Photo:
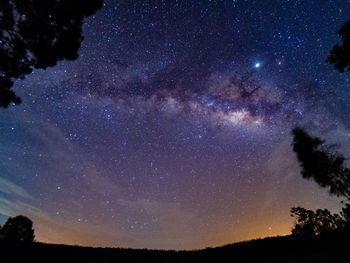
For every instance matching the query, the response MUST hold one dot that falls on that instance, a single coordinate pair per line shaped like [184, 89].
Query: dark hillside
[333, 247]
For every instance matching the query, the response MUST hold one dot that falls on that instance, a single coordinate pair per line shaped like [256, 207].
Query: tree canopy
[35, 34]
[310, 223]
[319, 163]
[340, 54]
[17, 229]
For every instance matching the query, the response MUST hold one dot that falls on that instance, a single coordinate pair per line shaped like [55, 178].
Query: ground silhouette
[333, 247]
[325, 246]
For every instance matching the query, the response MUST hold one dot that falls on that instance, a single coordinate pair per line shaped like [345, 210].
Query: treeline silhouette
[330, 247]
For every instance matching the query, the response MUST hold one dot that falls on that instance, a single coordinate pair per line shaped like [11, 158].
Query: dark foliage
[310, 223]
[340, 55]
[345, 213]
[17, 229]
[319, 163]
[37, 34]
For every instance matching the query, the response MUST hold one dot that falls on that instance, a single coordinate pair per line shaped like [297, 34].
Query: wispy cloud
[9, 188]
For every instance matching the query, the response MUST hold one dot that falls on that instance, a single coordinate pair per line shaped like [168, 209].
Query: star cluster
[172, 128]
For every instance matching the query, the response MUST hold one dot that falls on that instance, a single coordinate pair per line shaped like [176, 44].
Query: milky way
[172, 128]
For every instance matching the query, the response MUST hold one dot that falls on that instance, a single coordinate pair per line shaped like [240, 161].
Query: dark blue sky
[172, 129]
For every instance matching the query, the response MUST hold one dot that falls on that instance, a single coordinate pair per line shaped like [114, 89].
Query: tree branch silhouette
[36, 34]
[319, 163]
[340, 54]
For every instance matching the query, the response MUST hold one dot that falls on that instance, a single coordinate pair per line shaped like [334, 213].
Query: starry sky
[172, 130]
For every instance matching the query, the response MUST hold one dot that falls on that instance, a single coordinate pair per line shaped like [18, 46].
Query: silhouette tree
[345, 213]
[310, 223]
[340, 55]
[321, 164]
[37, 34]
[17, 229]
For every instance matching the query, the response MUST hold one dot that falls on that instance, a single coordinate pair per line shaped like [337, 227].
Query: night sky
[173, 127]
